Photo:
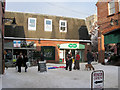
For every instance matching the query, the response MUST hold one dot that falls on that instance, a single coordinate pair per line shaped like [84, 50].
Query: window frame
[45, 25]
[30, 28]
[111, 8]
[65, 26]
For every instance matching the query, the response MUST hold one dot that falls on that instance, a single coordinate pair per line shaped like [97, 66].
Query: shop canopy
[112, 37]
[72, 46]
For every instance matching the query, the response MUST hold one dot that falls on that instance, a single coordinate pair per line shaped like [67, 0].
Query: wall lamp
[39, 40]
[113, 21]
[12, 20]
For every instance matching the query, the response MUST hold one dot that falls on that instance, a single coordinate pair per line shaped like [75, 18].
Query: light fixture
[12, 20]
[112, 21]
[39, 41]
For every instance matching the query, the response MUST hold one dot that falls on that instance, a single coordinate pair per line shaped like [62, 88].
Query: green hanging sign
[72, 45]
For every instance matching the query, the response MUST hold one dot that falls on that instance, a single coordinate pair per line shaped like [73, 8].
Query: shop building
[55, 36]
[2, 13]
[108, 15]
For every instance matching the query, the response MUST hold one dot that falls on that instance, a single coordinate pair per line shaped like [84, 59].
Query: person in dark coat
[69, 61]
[42, 57]
[19, 63]
[25, 59]
[89, 57]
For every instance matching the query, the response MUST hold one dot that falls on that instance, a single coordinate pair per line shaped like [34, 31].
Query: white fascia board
[16, 38]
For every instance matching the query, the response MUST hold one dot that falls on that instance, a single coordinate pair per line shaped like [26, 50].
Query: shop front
[112, 41]
[73, 48]
[12, 48]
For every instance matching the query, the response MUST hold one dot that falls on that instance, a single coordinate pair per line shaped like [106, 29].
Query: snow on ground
[58, 78]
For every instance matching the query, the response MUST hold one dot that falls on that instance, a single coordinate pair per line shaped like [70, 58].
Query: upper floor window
[63, 25]
[111, 6]
[32, 24]
[119, 5]
[48, 24]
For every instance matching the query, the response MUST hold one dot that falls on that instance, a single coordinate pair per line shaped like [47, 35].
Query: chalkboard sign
[42, 66]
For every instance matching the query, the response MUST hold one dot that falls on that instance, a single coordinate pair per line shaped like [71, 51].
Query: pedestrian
[19, 63]
[95, 56]
[25, 60]
[38, 63]
[77, 60]
[42, 57]
[90, 58]
[69, 61]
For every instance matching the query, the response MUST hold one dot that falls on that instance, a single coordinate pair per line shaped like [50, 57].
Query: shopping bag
[28, 64]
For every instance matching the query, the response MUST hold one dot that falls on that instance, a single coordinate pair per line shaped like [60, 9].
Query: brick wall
[104, 22]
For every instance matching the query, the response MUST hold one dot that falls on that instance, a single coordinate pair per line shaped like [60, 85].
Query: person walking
[69, 61]
[90, 58]
[25, 60]
[77, 66]
[38, 63]
[19, 63]
[42, 57]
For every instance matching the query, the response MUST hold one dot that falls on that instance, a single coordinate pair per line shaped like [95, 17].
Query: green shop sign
[71, 46]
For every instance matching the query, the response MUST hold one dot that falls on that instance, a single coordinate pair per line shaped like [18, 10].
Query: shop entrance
[63, 54]
[16, 52]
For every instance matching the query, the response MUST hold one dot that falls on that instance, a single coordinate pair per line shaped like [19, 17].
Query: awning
[112, 37]
[72, 46]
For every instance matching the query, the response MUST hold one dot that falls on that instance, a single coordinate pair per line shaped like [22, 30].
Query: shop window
[63, 25]
[111, 6]
[32, 24]
[8, 55]
[49, 52]
[48, 24]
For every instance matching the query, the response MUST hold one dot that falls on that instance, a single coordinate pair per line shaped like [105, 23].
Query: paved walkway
[58, 78]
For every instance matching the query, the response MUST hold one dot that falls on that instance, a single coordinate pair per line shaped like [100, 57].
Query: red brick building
[108, 15]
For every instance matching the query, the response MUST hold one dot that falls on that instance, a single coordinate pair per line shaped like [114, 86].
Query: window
[48, 25]
[63, 25]
[119, 5]
[8, 54]
[32, 24]
[111, 6]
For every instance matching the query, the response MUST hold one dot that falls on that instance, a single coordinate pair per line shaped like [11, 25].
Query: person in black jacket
[89, 57]
[42, 57]
[69, 61]
[25, 59]
[19, 63]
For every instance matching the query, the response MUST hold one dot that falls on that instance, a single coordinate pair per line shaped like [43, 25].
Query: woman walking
[19, 63]
[77, 66]
[25, 60]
